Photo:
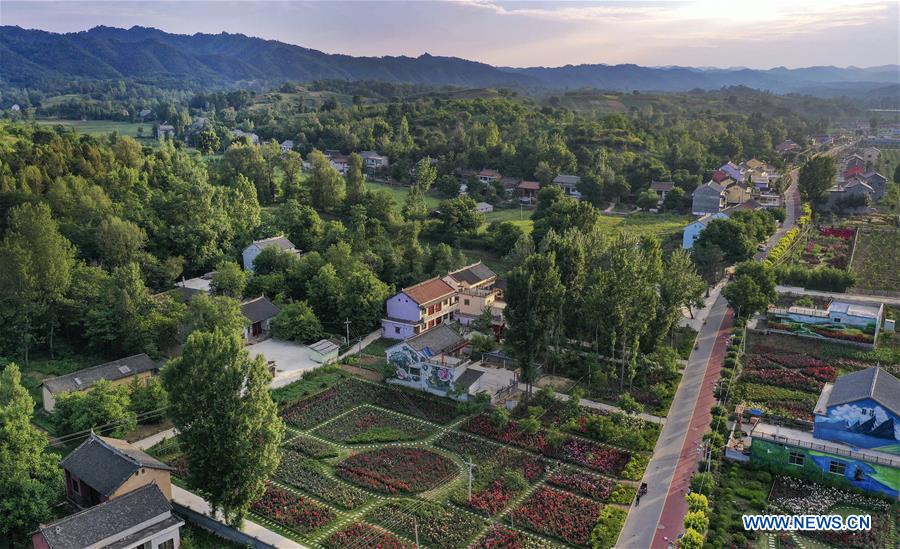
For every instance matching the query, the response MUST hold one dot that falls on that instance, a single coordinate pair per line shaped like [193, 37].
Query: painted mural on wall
[410, 367]
[440, 378]
[814, 464]
[864, 424]
[405, 363]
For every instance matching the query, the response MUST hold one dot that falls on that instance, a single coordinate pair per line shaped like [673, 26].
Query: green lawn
[100, 127]
[399, 193]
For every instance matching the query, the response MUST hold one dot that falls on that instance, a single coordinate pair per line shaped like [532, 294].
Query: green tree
[208, 142]
[228, 424]
[362, 299]
[752, 290]
[710, 262]
[301, 223]
[816, 177]
[326, 186]
[209, 313]
[533, 294]
[297, 322]
[229, 280]
[448, 186]
[425, 173]
[697, 502]
[356, 180]
[696, 520]
[674, 201]
[647, 199]
[325, 292]
[119, 242]
[30, 480]
[680, 288]
[104, 405]
[730, 236]
[414, 206]
[692, 539]
[459, 216]
[37, 267]
[148, 397]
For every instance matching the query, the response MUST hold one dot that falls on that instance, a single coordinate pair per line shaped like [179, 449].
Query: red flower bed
[492, 499]
[360, 534]
[592, 486]
[559, 514]
[501, 537]
[790, 379]
[847, 337]
[482, 452]
[793, 361]
[396, 470]
[821, 373]
[846, 234]
[600, 458]
[297, 513]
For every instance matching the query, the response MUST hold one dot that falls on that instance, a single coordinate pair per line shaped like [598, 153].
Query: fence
[218, 528]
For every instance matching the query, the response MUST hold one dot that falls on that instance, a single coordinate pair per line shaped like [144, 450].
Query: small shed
[484, 207]
[324, 351]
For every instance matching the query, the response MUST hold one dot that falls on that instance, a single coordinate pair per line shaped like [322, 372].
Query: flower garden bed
[501, 537]
[830, 247]
[309, 475]
[585, 484]
[610, 461]
[492, 454]
[397, 470]
[311, 447]
[416, 404]
[360, 534]
[438, 525]
[299, 514]
[558, 514]
[366, 425]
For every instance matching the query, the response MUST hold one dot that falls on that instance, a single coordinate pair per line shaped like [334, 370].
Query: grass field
[101, 127]
[399, 193]
[876, 262]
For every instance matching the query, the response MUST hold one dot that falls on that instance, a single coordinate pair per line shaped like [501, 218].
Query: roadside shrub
[696, 520]
[697, 502]
[609, 524]
[704, 480]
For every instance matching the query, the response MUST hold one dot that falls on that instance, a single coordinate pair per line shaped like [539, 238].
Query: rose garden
[367, 465]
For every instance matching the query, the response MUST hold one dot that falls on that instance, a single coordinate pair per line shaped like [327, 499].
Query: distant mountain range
[30, 57]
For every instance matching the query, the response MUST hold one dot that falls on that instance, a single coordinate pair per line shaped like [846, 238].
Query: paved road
[792, 208]
[678, 433]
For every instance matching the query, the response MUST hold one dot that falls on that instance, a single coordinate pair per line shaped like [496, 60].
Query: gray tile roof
[467, 378]
[566, 179]
[473, 274]
[440, 339]
[279, 241]
[259, 309]
[85, 379]
[99, 525]
[104, 464]
[874, 383]
[710, 185]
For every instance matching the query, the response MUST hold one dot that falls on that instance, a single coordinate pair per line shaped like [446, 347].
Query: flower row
[308, 475]
[585, 484]
[484, 453]
[396, 470]
[501, 537]
[297, 513]
[437, 525]
[311, 447]
[790, 379]
[367, 425]
[360, 534]
[558, 514]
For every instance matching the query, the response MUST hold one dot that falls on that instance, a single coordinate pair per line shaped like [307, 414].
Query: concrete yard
[291, 359]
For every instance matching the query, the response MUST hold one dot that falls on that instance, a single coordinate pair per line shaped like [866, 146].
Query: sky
[701, 33]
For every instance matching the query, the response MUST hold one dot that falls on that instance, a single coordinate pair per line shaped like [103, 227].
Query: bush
[297, 322]
[609, 524]
[704, 480]
[499, 417]
[104, 404]
[147, 399]
[826, 279]
[696, 520]
[692, 539]
[697, 502]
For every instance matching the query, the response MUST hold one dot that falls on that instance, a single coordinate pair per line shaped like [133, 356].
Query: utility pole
[416, 529]
[471, 466]
[347, 324]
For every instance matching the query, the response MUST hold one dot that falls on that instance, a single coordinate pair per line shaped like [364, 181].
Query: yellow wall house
[117, 372]
[478, 289]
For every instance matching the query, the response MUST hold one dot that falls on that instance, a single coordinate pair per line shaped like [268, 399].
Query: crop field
[362, 463]
[876, 263]
[102, 127]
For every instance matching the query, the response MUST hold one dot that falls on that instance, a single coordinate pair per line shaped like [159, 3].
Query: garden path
[674, 444]
[602, 406]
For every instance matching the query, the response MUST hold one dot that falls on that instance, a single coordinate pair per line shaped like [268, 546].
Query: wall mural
[440, 378]
[403, 360]
[864, 424]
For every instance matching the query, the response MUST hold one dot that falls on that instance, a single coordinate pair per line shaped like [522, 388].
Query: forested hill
[33, 57]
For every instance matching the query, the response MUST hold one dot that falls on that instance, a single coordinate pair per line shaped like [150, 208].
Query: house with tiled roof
[257, 246]
[569, 184]
[103, 468]
[708, 199]
[121, 371]
[476, 285]
[733, 171]
[259, 312]
[786, 146]
[488, 176]
[878, 183]
[692, 231]
[142, 518]
[418, 308]
[528, 190]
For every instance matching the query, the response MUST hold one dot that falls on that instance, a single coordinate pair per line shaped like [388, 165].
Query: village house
[510, 184]
[855, 439]
[165, 131]
[733, 171]
[434, 362]
[661, 188]
[257, 246]
[340, 162]
[786, 147]
[569, 184]
[692, 232]
[117, 372]
[851, 195]
[878, 183]
[15, 108]
[144, 113]
[821, 141]
[871, 155]
[324, 351]
[837, 312]
[287, 145]
[476, 285]
[736, 193]
[419, 308]
[489, 176]
[527, 191]
[140, 519]
[252, 137]
[374, 161]
[708, 199]
[260, 313]
[484, 207]
[103, 468]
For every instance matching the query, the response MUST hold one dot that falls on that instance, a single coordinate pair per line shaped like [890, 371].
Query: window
[76, 486]
[168, 544]
[396, 329]
[837, 467]
[466, 301]
[796, 458]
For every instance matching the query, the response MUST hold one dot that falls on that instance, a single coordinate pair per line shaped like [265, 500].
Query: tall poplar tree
[228, 423]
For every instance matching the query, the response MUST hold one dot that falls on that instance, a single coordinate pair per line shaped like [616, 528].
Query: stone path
[603, 406]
